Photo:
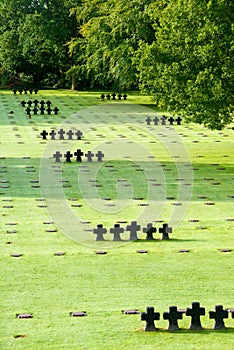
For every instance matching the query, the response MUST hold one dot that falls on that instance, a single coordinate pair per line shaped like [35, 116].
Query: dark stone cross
[25, 91]
[119, 96]
[102, 97]
[42, 103]
[99, 156]
[133, 228]
[149, 230]
[108, 96]
[125, 97]
[99, 231]
[23, 103]
[113, 96]
[195, 312]
[156, 120]
[14, 91]
[44, 133]
[165, 230]
[61, 133]
[68, 156]
[163, 119]
[70, 133]
[30, 91]
[56, 110]
[78, 155]
[36, 102]
[178, 120]
[35, 110]
[48, 103]
[171, 120]
[20, 91]
[57, 156]
[116, 230]
[79, 134]
[52, 134]
[42, 109]
[48, 110]
[28, 110]
[173, 316]
[29, 103]
[150, 316]
[218, 315]
[36, 91]
[148, 120]
[89, 156]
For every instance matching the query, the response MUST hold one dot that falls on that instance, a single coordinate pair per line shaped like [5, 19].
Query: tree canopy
[179, 51]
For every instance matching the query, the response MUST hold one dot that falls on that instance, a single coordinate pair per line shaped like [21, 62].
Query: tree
[189, 67]
[109, 35]
[33, 35]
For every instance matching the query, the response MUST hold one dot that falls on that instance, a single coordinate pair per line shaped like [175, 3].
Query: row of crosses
[25, 90]
[195, 312]
[61, 134]
[78, 154]
[42, 110]
[108, 97]
[36, 103]
[133, 228]
[163, 120]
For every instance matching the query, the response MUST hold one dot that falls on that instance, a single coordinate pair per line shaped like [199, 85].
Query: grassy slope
[50, 287]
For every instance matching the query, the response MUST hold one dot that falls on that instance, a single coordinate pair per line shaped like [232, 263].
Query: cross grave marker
[218, 315]
[165, 230]
[173, 316]
[78, 155]
[150, 316]
[99, 231]
[116, 230]
[133, 228]
[57, 156]
[149, 230]
[195, 312]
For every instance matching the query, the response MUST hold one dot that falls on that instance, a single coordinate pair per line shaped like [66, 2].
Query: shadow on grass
[205, 331]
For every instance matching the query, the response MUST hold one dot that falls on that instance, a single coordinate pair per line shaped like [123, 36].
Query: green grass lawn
[182, 175]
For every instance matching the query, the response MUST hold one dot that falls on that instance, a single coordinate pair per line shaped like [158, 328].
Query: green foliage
[189, 68]
[110, 34]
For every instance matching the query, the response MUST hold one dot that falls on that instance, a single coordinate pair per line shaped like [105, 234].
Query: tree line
[179, 51]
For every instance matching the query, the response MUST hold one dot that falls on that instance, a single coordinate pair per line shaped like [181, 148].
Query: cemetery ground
[182, 174]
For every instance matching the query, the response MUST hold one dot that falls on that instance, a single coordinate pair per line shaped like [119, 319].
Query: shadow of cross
[148, 120]
[218, 315]
[116, 230]
[150, 316]
[133, 228]
[44, 133]
[78, 155]
[68, 156]
[57, 156]
[99, 231]
[70, 133]
[149, 230]
[195, 312]
[165, 230]
[173, 316]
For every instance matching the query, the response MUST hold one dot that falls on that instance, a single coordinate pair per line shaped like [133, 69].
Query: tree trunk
[73, 82]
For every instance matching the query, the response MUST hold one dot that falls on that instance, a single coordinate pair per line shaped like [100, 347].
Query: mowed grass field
[182, 175]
